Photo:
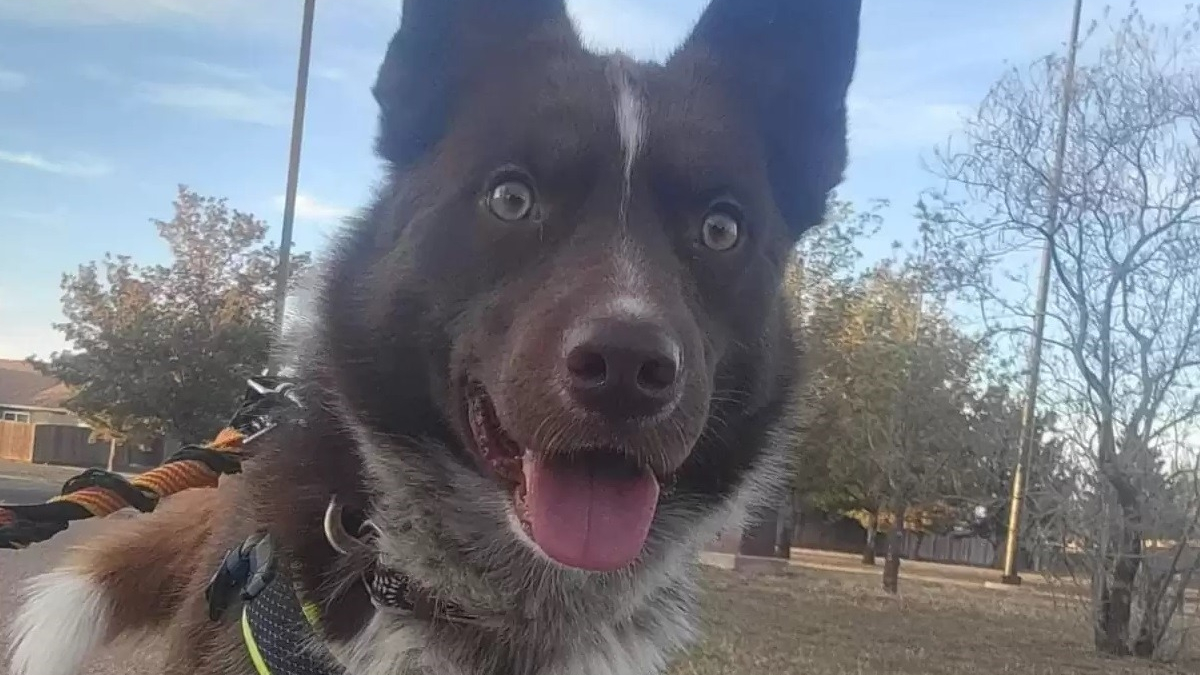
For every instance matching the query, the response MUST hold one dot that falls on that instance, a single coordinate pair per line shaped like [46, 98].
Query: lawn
[817, 622]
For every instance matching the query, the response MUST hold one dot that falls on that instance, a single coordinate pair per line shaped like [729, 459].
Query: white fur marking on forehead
[631, 122]
[631, 307]
[630, 106]
[631, 294]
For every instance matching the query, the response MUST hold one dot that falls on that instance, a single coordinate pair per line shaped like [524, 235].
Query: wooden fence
[16, 441]
[955, 550]
[70, 446]
[846, 535]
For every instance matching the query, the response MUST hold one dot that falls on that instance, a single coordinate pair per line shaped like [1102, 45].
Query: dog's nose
[622, 369]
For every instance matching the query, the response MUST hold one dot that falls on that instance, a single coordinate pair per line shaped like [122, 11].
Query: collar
[350, 533]
[392, 591]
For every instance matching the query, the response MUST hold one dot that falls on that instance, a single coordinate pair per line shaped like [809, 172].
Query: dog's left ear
[790, 63]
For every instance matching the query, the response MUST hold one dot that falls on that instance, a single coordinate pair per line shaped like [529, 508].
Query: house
[27, 396]
[36, 428]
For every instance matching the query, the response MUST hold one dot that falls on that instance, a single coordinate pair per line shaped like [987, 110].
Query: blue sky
[107, 105]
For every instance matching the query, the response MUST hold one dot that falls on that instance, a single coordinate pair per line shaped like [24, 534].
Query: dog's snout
[622, 369]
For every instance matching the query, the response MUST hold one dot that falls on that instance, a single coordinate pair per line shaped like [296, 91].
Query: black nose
[622, 369]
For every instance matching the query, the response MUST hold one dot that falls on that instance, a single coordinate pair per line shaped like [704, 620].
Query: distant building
[27, 396]
[36, 428]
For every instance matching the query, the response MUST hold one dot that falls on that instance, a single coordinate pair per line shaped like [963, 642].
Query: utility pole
[1029, 411]
[283, 271]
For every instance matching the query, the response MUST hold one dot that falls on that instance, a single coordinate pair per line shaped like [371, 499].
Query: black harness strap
[280, 636]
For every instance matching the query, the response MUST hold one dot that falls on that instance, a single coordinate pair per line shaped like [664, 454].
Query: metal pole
[1029, 411]
[283, 272]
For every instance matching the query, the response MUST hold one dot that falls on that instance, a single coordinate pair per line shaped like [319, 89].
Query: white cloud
[27, 325]
[99, 73]
[885, 123]
[280, 17]
[22, 340]
[104, 12]
[218, 71]
[79, 166]
[350, 69]
[312, 209]
[331, 73]
[211, 90]
[251, 103]
[46, 219]
[11, 80]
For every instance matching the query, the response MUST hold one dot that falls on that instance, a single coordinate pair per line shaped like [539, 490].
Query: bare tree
[1123, 324]
[983, 480]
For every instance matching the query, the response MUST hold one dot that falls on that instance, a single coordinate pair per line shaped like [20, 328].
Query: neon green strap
[252, 646]
[311, 612]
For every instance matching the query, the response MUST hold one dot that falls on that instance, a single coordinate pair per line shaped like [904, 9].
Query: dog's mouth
[590, 509]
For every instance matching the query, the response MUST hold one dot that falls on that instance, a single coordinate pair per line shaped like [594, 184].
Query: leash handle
[96, 493]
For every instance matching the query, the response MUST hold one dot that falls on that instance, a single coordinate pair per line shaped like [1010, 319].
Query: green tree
[891, 380]
[824, 264]
[166, 348]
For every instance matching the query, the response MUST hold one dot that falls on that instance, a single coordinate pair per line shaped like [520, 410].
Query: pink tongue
[586, 517]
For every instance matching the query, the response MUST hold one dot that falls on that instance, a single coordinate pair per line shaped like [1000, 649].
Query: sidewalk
[43, 473]
[1033, 584]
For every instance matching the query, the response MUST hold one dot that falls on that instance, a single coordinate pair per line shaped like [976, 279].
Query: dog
[546, 365]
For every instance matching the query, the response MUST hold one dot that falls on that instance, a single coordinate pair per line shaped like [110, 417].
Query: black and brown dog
[546, 364]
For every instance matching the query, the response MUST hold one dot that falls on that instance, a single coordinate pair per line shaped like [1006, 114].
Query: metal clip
[244, 573]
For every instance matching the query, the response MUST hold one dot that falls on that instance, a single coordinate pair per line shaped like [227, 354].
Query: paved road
[25, 490]
[36, 485]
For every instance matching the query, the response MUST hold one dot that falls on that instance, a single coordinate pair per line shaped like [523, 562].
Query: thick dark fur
[428, 293]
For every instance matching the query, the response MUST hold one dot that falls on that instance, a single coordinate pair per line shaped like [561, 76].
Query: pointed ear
[790, 63]
[440, 46]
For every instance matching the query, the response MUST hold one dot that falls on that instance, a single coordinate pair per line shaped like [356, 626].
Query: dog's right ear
[440, 44]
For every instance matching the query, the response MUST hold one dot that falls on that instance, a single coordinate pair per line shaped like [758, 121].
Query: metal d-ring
[339, 538]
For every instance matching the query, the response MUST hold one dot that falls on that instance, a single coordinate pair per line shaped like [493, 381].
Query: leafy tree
[840, 477]
[824, 259]
[892, 378]
[166, 348]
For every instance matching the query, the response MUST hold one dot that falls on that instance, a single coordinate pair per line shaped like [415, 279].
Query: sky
[106, 106]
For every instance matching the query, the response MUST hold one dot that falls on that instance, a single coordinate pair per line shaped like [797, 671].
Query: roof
[22, 385]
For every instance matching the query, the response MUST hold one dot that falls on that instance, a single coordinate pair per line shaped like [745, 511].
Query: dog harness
[280, 630]
[280, 634]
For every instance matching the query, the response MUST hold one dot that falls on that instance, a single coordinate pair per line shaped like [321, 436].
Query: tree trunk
[997, 552]
[895, 542]
[1151, 626]
[785, 527]
[1114, 611]
[868, 554]
[758, 539]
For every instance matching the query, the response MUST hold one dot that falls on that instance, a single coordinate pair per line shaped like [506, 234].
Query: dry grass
[826, 623]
